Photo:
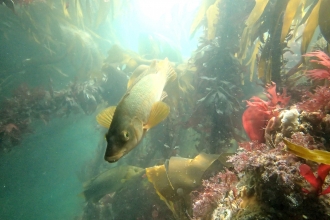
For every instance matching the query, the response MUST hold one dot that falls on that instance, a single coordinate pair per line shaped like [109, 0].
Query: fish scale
[142, 96]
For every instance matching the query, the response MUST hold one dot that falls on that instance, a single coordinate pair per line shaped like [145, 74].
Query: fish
[140, 109]
[109, 181]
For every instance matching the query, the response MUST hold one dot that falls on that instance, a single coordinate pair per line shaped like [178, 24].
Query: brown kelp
[318, 156]
[271, 27]
[174, 180]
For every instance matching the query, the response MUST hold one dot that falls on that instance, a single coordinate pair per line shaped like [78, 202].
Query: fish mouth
[113, 159]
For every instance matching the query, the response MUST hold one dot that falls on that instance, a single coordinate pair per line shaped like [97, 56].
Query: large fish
[140, 109]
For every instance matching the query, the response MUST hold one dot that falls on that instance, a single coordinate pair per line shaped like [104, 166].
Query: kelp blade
[318, 156]
[290, 13]
[311, 25]
[324, 19]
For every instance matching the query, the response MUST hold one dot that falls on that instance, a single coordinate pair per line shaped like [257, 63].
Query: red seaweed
[322, 59]
[316, 182]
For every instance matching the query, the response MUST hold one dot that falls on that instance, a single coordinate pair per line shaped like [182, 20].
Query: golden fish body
[109, 181]
[139, 110]
[139, 100]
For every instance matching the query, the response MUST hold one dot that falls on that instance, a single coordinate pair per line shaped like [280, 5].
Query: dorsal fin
[164, 95]
[104, 118]
[135, 75]
[166, 66]
[140, 72]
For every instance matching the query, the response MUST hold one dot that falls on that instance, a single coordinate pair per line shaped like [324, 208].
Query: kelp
[256, 12]
[269, 68]
[177, 178]
[253, 58]
[281, 20]
[186, 73]
[324, 19]
[210, 10]
[310, 27]
[318, 156]
[103, 11]
[250, 24]
[212, 15]
[124, 59]
[200, 16]
[157, 175]
[290, 12]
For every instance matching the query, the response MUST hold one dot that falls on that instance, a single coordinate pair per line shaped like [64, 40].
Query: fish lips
[114, 153]
[113, 159]
[116, 150]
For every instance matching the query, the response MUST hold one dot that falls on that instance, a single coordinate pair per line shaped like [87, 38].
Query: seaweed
[316, 182]
[324, 19]
[319, 156]
[174, 180]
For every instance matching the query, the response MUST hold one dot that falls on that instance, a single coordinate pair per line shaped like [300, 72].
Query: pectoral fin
[104, 118]
[159, 112]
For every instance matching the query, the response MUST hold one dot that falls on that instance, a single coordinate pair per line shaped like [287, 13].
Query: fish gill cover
[208, 143]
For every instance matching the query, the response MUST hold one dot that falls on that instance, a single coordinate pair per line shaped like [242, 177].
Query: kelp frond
[212, 15]
[210, 10]
[318, 156]
[200, 16]
[290, 12]
[310, 27]
[250, 23]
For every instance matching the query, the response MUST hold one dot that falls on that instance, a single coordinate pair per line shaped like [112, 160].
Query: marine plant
[214, 191]
[219, 75]
[272, 182]
[175, 189]
[68, 29]
[280, 21]
[319, 100]
[29, 104]
[210, 10]
[259, 112]
[316, 182]
[319, 156]
[322, 60]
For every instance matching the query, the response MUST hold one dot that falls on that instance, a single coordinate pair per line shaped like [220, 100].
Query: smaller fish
[109, 182]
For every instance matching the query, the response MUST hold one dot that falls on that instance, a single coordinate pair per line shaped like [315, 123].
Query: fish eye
[125, 135]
